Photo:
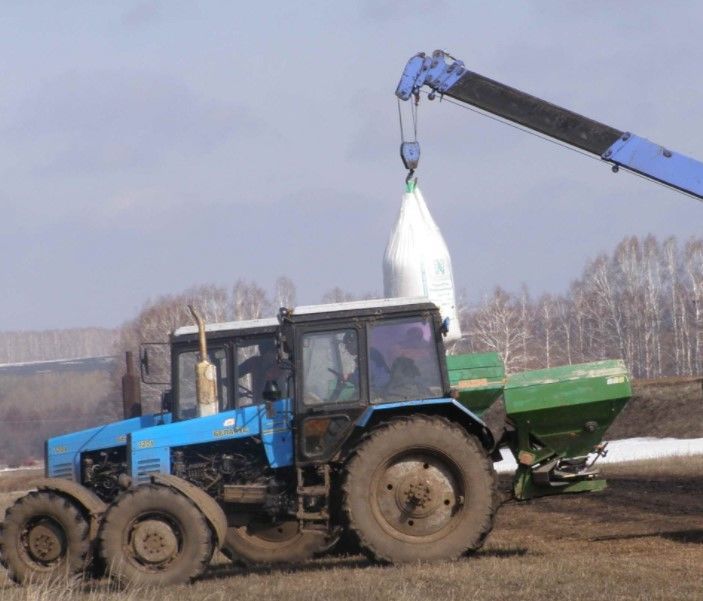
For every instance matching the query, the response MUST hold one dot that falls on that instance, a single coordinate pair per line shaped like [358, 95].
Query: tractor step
[313, 491]
[313, 497]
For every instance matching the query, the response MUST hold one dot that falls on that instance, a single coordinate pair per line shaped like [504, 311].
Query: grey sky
[149, 146]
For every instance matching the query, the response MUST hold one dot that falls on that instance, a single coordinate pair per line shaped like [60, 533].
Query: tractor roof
[231, 328]
[377, 306]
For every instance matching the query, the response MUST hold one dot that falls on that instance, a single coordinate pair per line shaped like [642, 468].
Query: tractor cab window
[330, 367]
[187, 402]
[257, 362]
[403, 361]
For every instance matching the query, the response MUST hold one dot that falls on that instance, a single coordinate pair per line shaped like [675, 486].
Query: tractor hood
[62, 454]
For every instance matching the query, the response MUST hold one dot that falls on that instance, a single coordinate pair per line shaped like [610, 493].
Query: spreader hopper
[557, 418]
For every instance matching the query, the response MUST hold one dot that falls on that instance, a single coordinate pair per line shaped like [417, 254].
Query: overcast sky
[146, 147]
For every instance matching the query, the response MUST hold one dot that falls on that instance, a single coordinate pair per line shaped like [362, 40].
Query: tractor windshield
[403, 361]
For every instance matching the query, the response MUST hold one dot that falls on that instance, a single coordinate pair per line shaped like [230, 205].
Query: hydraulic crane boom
[447, 76]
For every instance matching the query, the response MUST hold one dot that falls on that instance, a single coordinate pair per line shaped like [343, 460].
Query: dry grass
[640, 539]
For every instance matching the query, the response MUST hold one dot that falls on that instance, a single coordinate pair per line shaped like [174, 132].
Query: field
[642, 538]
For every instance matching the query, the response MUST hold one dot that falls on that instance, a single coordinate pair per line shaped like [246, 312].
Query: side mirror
[144, 361]
[444, 328]
[155, 363]
[270, 393]
[167, 401]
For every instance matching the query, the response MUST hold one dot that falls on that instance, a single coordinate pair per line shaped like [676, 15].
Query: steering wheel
[336, 373]
[341, 383]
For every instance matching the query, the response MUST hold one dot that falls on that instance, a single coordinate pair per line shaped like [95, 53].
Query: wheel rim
[154, 542]
[418, 496]
[44, 541]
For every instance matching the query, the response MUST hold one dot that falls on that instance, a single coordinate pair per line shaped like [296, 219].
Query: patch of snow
[629, 449]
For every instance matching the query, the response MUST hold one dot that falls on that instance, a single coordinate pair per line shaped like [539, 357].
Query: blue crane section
[446, 76]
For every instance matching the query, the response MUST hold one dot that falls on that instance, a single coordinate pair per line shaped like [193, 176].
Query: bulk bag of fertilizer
[417, 261]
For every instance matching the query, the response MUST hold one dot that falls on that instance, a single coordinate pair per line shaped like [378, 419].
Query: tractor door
[256, 364]
[331, 387]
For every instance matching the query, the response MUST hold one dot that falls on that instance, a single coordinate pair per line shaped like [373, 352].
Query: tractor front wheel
[155, 536]
[420, 488]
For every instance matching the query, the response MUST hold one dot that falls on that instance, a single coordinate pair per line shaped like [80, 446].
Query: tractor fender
[88, 501]
[211, 509]
[446, 407]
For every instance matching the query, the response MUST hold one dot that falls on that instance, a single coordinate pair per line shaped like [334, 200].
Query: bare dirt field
[642, 538]
[664, 407]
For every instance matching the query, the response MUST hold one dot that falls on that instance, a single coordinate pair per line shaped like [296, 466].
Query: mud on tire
[44, 537]
[419, 488]
[155, 536]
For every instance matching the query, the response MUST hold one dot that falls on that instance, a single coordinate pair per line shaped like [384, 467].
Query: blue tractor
[355, 431]
[330, 419]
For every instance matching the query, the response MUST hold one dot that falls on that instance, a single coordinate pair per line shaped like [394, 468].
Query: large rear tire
[44, 537]
[155, 536]
[262, 542]
[420, 488]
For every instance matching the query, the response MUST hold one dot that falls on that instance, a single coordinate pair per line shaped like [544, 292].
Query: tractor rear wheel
[44, 537]
[261, 542]
[154, 536]
[420, 488]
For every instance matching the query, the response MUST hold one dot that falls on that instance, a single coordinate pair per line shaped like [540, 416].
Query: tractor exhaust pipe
[131, 392]
[205, 373]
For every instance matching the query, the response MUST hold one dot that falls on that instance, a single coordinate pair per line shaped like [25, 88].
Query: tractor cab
[244, 356]
[348, 357]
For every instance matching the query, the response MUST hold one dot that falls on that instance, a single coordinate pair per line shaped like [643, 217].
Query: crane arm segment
[447, 76]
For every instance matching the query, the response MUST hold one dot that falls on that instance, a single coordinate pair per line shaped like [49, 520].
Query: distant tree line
[38, 406]
[642, 303]
[17, 347]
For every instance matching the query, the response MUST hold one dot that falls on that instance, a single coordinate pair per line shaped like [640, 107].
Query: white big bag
[417, 261]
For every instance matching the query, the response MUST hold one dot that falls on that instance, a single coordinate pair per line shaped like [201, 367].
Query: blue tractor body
[63, 453]
[151, 447]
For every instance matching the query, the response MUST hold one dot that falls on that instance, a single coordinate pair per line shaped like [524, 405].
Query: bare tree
[249, 301]
[497, 327]
[284, 293]
[525, 324]
[653, 306]
[337, 295]
[671, 263]
[546, 312]
[693, 257]
[564, 315]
